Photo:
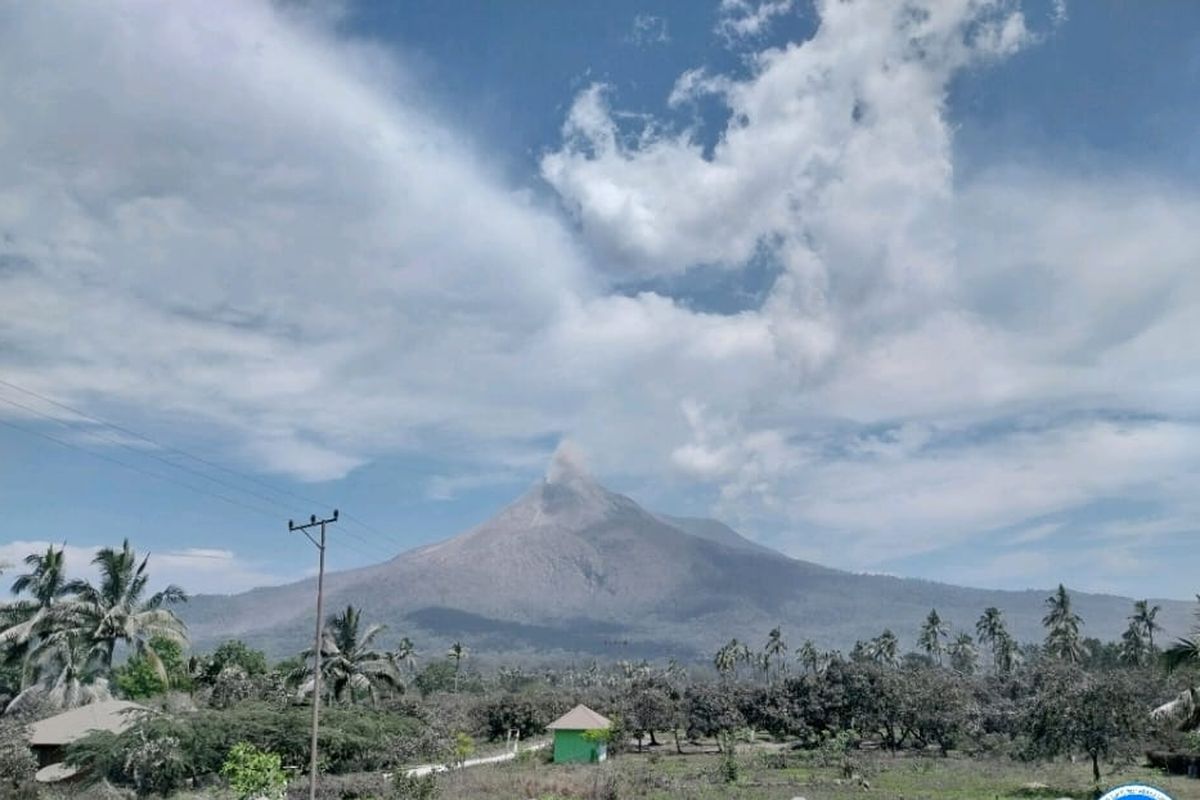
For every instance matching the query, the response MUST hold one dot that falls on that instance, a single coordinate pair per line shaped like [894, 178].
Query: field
[765, 776]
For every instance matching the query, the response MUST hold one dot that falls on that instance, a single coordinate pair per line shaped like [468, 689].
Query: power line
[169, 479]
[390, 538]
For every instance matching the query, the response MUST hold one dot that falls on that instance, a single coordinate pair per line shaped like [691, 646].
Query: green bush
[352, 740]
[254, 773]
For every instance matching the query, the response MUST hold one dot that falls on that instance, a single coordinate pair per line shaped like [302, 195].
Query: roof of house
[580, 718]
[111, 715]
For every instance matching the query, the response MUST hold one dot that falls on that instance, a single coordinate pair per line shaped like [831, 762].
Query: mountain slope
[571, 568]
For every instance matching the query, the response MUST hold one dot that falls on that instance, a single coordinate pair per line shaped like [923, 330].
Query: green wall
[572, 747]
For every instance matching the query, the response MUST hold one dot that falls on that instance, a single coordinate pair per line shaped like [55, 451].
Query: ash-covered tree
[933, 631]
[1074, 711]
[991, 632]
[1062, 627]
[964, 657]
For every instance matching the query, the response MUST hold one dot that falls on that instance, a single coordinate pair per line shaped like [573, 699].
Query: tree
[138, 678]
[809, 656]
[726, 659]
[114, 612]
[69, 669]
[776, 648]
[932, 634]
[350, 666]
[1133, 645]
[1062, 627]
[233, 653]
[456, 654]
[991, 631]
[1007, 653]
[406, 653]
[964, 658]
[884, 649]
[1098, 714]
[1185, 650]
[46, 582]
[1143, 619]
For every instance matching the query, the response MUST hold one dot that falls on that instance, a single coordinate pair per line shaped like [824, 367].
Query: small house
[49, 737]
[577, 737]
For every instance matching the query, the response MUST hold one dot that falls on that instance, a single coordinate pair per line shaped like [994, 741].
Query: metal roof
[580, 718]
[111, 715]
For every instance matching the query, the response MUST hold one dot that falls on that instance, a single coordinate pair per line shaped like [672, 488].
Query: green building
[571, 745]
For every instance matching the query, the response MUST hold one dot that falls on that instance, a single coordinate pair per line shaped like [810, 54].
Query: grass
[664, 775]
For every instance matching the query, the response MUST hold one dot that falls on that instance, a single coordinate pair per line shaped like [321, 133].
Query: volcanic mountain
[572, 569]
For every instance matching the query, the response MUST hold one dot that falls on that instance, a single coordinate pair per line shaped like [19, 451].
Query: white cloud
[747, 19]
[197, 570]
[242, 223]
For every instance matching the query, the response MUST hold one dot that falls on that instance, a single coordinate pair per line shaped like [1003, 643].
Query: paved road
[426, 769]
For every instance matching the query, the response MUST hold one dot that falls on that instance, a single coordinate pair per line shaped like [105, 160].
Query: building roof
[110, 715]
[580, 718]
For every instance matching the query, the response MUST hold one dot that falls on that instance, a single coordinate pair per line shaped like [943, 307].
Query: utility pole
[313, 522]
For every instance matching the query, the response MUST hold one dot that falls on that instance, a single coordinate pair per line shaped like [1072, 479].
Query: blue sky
[897, 288]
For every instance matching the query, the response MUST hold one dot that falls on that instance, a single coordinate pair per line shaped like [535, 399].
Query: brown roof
[111, 715]
[580, 718]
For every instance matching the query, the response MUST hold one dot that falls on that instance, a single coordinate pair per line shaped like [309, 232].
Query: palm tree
[457, 653]
[963, 656]
[776, 648]
[809, 656]
[114, 612]
[46, 582]
[1133, 645]
[1186, 650]
[406, 653]
[990, 630]
[1008, 654]
[932, 633]
[885, 649]
[349, 665]
[1062, 626]
[726, 659]
[1143, 617]
[69, 670]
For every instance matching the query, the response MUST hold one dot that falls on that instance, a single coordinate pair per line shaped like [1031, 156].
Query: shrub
[361, 786]
[408, 787]
[17, 762]
[254, 773]
[155, 765]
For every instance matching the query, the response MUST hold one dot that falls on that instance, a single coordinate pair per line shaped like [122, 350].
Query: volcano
[571, 569]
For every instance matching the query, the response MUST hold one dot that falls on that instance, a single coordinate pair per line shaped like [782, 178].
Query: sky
[902, 287]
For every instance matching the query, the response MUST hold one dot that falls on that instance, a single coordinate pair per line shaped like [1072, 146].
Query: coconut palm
[776, 648]
[885, 649]
[350, 666]
[1133, 645]
[726, 659]
[1062, 626]
[69, 670]
[990, 630]
[1143, 617]
[46, 583]
[457, 653]
[406, 654]
[932, 633]
[114, 612]
[964, 657]
[1185, 651]
[809, 656]
[1007, 653]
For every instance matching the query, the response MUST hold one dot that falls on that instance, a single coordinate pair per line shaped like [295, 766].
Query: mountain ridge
[569, 568]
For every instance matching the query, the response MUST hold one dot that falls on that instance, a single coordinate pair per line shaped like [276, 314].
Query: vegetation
[753, 723]
[254, 774]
